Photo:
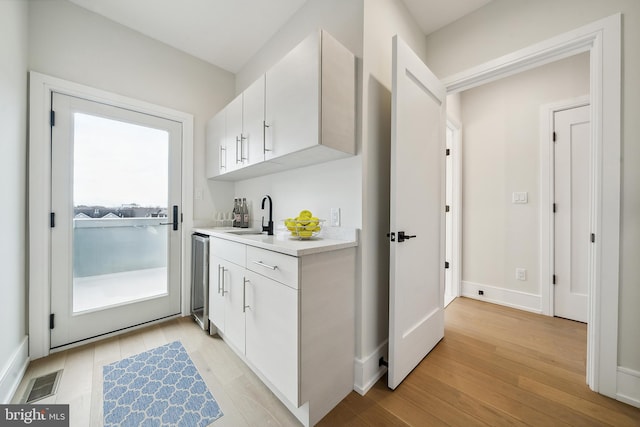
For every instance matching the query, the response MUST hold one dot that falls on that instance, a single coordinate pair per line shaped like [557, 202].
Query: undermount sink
[245, 232]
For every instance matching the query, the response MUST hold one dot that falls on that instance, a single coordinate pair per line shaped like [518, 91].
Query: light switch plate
[519, 197]
[198, 194]
[335, 217]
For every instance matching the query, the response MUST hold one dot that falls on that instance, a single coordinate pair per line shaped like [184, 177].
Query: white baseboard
[13, 371]
[628, 386]
[368, 370]
[507, 297]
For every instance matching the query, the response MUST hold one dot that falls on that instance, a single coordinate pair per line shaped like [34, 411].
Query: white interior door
[571, 219]
[416, 311]
[115, 203]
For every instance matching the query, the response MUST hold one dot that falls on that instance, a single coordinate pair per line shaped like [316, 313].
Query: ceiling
[227, 33]
[432, 15]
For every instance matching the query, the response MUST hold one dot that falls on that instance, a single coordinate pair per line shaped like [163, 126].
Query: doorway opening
[115, 235]
[604, 89]
[41, 177]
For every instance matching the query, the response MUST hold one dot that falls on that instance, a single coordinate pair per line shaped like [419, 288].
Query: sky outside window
[118, 163]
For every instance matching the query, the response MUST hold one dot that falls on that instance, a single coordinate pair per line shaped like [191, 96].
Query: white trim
[628, 386]
[12, 373]
[41, 86]
[456, 152]
[368, 370]
[546, 189]
[502, 296]
[602, 39]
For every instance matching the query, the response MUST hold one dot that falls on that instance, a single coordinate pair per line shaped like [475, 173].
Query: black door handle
[402, 237]
[174, 223]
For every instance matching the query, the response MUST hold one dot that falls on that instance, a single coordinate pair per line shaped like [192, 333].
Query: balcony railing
[115, 245]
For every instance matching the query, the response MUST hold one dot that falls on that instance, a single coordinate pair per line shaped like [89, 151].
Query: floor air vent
[42, 387]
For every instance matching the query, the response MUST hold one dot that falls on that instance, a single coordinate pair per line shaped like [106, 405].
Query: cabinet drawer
[277, 266]
[228, 250]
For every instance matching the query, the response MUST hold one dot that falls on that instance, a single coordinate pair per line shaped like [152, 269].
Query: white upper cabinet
[252, 149]
[307, 112]
[215, 149]
[310, 103]
[235, 136]
[293, 100]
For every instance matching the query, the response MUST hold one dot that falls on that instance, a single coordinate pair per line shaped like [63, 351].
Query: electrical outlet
[335, 217]
[198, 194]
[521, 274]
[480, 292]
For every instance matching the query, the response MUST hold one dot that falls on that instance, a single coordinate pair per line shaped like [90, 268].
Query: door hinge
[446, 264]
[593, 238]
[51, 320]
[52, 219]
[554, 137]
[181, 217]
[448, 152]
[447, 208]
[554, 208]
[554, 279]
[52, 118]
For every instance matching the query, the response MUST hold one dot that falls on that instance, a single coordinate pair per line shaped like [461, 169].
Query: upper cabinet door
[293, 100]
[253, 123]
[215, 149]
[233, 138]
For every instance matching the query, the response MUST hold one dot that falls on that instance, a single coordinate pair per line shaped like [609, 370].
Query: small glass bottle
[245, 213]
[236, 212]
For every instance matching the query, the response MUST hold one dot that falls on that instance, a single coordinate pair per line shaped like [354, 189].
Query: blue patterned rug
[160, 387]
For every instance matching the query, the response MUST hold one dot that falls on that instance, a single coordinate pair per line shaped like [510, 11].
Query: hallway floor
[496, 366]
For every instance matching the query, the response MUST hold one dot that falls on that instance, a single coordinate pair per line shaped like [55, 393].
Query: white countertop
[282, 242]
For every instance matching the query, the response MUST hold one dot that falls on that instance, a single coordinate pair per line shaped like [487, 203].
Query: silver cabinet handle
[222, 281]
[262, 264]
[264, 137]
[237, 140]
[244, 294]
[242, 156]
[223, 157]
[219, 278]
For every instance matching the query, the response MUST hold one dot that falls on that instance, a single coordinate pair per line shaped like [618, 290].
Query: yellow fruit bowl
[304, 226]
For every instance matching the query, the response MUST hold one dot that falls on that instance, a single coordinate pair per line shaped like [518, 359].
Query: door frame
[41, 87]
[547, 181]
[602, 39]
[456, 205]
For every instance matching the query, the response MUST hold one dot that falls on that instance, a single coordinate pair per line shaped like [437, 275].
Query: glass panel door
[115, 196]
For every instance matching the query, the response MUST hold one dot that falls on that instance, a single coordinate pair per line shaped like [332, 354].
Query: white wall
[501, 155]
[75, 44]
[317, 188]
[507, 25]
[13, 172]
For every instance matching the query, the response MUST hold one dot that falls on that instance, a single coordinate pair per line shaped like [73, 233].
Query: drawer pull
[260, 263]
[244, 294]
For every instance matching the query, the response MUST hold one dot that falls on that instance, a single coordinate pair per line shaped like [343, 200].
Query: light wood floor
[243, 398]
[496, 366]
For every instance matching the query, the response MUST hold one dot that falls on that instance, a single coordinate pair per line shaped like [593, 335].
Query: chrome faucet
[269, 227]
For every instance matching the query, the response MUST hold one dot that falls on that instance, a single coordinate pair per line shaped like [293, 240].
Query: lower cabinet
[291, 322]
[272, 332]
[228, 300]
